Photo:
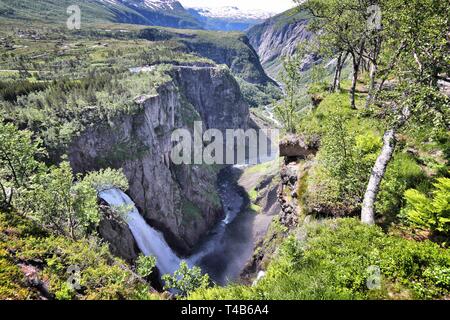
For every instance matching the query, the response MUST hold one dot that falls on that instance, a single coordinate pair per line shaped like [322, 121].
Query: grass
[331, 260]
[24, 246]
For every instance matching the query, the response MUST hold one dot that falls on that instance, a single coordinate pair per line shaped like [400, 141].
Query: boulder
[294, 146]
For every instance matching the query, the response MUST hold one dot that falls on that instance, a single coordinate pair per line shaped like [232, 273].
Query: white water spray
[149, 241]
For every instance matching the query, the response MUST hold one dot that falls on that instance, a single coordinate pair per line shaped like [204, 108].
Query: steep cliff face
[279, 36]
[230, 48]
[179, 200]
[116, 233]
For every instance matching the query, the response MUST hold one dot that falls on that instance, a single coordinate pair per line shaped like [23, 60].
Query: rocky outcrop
[298, 153]
[278, 37]
[179, 200]
[296, 147]
[114, 230]
[287, 195]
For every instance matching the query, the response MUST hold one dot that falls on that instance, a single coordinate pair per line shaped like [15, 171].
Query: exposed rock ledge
[293, 146]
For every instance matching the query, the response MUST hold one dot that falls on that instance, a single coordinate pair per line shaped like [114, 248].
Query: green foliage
[54, 11]
[105, 179]
[186, 280]
[191, 212]
[337, 183]
[67, 107]
[430, 212]
[402, 173]
[12, 282]
[288, 110]
[259, 95]
[333, 263]
[61, 205]
[145, 265]
[314, 121]
[101, 277]
[18, 160]
[10, 91]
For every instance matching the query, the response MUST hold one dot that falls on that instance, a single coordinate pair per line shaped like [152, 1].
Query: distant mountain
[279, 36]
[167, 13]
[229, 18]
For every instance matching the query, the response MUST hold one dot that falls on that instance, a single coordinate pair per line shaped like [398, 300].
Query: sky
[275, 6]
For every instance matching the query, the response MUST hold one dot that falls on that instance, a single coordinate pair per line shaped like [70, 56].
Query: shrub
[333, 263]
[430, 212]
[402, 173]
[18, 161]
[337, 183]
[101, 276]
[145, 265]
[60, 204]
[105, 179]
[186, 280]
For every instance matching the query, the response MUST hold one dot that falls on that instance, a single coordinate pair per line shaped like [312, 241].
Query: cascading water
[152, 242]
[223, 253]
[149, 241]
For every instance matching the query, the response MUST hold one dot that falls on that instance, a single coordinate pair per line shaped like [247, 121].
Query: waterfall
[149, 241]
[152, 242]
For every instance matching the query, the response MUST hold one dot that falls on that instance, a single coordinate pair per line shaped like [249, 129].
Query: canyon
[179, 200]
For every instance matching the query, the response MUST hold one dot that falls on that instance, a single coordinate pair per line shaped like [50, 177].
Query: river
[222, 254]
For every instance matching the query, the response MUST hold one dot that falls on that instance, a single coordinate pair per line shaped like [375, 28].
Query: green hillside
[55, 11]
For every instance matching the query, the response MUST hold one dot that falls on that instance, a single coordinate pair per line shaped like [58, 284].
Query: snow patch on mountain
[155, 5]
[233, 13]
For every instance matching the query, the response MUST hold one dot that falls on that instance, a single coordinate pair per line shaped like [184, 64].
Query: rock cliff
[279, 36]
[181, 200]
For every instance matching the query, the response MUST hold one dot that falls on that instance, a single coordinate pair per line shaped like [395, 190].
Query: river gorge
[223, 253]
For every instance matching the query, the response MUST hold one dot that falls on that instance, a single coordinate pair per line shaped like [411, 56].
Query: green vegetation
[55, 11]
[26, 249]
[383, 142]
[53, 196]
[384, 152]
[59, 204]
[289, 110]
[332, 260]
[186, 280]
[431, 214]
[145, 265]
[48, 229]
[191, 212]
[259, 95]
[18, 153]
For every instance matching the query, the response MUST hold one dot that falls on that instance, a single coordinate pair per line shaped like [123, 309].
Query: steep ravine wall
[178, 200]
[278, 37]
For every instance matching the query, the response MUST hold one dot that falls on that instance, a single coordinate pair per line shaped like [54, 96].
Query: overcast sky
[267, 5]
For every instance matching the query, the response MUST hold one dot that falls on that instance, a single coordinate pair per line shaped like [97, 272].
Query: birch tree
[421, 30]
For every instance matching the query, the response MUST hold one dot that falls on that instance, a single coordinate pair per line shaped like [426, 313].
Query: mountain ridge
[166, 13]
[279, 36]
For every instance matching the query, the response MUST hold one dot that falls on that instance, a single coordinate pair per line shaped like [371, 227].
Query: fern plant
[430, 212]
